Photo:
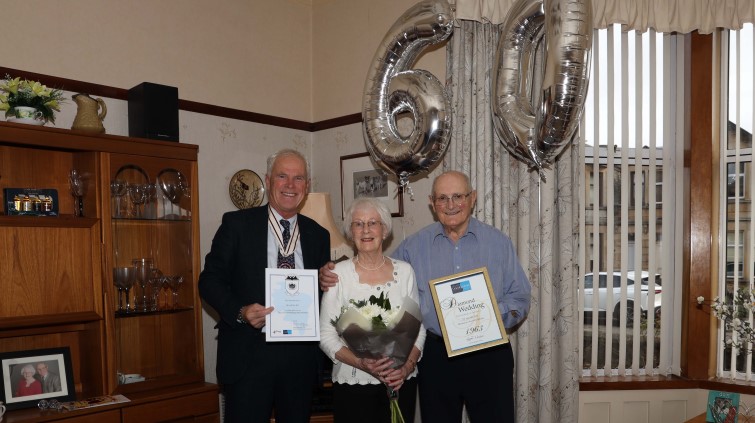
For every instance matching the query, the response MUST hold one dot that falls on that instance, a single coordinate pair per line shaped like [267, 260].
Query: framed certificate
[468, 312]
[295, 296]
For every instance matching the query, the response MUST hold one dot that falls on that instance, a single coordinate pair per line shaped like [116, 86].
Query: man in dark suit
[50, 380]
[257, 376]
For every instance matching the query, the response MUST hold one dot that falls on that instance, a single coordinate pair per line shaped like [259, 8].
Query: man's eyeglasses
[457, 199]
[358, 225]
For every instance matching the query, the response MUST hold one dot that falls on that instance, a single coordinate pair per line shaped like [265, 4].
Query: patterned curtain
[541, 217]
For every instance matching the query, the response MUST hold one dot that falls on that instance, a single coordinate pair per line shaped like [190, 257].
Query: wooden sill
[726, 385]
[624, 383]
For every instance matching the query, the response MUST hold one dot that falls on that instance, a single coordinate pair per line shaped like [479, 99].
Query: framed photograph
[33, 375]
[360, 178]
[468, 312]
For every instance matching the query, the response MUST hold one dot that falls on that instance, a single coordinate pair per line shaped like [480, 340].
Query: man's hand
[327, 278]
[255, 314]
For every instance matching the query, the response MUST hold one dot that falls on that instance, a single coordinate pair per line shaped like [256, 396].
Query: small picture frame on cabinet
[31, 376]
[30, 202]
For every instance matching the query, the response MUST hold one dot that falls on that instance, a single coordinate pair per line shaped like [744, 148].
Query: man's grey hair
[283, 153]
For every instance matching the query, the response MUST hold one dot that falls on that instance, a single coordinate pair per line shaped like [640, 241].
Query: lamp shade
[317, 207]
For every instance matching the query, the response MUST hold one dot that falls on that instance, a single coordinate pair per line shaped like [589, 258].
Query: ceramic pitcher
[90, 113]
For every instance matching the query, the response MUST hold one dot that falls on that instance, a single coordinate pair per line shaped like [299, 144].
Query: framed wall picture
[33, 375]
[360, 178]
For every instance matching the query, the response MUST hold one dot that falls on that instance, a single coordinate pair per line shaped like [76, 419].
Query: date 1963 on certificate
[468, 312]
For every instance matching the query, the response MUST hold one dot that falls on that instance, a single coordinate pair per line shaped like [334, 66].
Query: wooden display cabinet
[57, 280]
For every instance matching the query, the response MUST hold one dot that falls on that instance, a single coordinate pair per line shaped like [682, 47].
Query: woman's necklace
[369, 268]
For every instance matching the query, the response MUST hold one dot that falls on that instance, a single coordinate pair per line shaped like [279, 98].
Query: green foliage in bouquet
[15, 92]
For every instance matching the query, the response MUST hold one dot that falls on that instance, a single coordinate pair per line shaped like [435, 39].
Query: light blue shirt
[433, 255]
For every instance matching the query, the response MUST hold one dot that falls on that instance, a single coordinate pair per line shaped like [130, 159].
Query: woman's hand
[379, 368]
[395, 377]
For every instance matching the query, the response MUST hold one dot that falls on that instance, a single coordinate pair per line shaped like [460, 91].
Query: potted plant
[29, 101]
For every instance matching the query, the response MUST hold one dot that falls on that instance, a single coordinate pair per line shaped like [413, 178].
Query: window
[630, 149]
[738, 256]
[638, 180]
[735, 181]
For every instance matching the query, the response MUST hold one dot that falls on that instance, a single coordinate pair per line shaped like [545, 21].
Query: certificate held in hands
[468, 312]
[295, 296]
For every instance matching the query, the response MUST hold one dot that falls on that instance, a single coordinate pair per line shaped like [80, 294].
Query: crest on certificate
[292, 284]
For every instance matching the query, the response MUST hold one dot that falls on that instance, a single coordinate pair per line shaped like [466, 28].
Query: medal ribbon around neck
[285, 250]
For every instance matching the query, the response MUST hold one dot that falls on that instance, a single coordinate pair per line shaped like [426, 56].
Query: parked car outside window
[614, 307]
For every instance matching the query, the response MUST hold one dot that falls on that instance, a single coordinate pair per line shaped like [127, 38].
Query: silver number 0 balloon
[536, 135]
[392, 89]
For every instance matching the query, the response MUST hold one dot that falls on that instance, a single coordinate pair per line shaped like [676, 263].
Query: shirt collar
[278, 217]
[472, 228]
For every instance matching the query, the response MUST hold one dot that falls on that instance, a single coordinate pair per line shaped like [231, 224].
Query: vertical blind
[630, 151]
[737, 50]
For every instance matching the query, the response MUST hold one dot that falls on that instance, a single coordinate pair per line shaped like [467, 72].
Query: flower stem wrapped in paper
[375, 329]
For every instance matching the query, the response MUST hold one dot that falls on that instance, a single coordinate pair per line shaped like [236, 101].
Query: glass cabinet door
[153, 280]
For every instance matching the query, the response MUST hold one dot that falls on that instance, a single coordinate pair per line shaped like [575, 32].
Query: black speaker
[153, 112]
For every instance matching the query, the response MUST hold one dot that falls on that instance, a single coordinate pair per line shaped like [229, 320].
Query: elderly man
[482, 380]
[257, 376]
[50, 380]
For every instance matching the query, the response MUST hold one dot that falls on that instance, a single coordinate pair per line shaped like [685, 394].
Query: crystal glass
[143, 269]
[138, 195]
[183, 186]
[170, 186]
[76, 183]
[123, 278]
[117, 190]
[174, 283]
[150, 202]
[156, 281]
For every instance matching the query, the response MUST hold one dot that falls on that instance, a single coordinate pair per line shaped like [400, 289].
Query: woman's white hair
[29, 368]
[361, 203]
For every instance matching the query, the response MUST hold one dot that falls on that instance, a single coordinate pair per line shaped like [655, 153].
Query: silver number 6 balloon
[392, 90]
[536, 135]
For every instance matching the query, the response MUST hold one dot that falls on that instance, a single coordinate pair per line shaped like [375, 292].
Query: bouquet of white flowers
[374, 329]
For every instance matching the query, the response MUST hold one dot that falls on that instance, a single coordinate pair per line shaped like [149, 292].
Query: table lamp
[317, 207]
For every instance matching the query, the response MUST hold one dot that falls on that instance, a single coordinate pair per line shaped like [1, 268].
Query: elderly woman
[359, 384]
[28, 384]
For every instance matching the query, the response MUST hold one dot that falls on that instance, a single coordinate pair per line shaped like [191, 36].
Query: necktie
[286, 262]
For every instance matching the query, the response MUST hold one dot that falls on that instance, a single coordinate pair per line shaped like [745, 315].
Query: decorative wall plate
[246, 189]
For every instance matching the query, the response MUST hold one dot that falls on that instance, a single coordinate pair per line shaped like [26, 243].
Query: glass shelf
[122, 314]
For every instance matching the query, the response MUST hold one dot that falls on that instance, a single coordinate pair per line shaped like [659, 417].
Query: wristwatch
[240, 317]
